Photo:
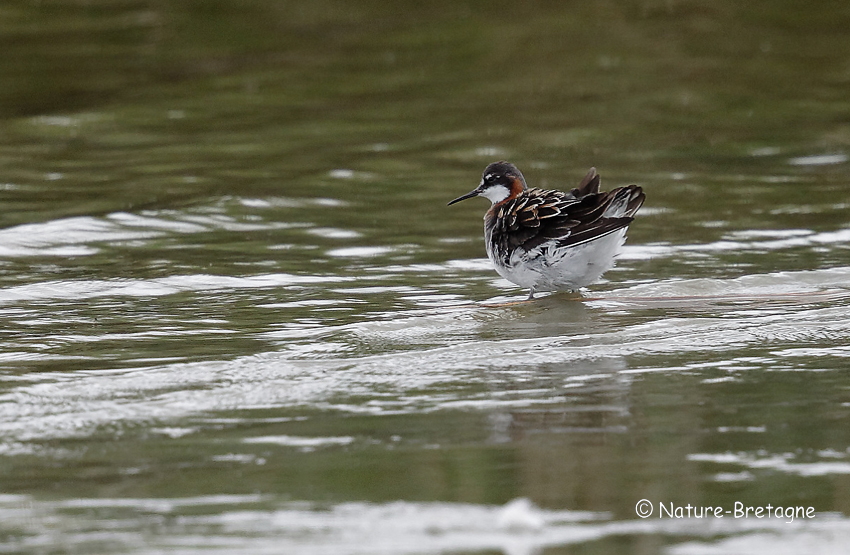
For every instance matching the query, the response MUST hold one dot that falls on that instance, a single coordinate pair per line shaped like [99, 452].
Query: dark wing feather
[589, 185]
[584, 214]
[602, 213]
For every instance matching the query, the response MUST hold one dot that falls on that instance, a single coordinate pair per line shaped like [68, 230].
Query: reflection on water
[237, 317]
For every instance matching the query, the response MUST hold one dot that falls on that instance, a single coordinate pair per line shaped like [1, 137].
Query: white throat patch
[496, 193]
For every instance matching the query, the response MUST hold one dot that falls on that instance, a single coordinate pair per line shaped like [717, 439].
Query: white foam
[819, 160]
[298, 441]
[359, 252]
[782, 462]
[341, 173]
[334, 233]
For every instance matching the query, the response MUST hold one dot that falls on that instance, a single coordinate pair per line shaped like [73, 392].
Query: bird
[548, 240]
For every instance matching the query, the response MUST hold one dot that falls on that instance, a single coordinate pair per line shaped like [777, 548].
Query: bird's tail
[625, 202]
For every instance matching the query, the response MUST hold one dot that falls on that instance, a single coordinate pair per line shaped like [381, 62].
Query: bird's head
[500, 180]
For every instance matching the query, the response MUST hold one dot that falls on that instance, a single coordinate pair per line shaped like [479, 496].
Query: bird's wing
[537, 216]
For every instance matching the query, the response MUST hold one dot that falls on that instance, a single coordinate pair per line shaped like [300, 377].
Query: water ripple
[240, 524]
[157, 287]
[737, 242]
[65, 237]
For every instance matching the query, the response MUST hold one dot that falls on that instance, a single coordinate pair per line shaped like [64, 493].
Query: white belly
[549, 268]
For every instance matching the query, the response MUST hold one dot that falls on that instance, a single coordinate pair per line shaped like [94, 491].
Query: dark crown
[502, 173]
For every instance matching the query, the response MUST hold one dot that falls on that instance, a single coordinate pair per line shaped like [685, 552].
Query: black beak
[474, 193]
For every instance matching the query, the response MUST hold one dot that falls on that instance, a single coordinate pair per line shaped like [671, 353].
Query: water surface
[237, 315]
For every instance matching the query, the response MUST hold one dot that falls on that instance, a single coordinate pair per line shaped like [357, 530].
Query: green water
[236, 315]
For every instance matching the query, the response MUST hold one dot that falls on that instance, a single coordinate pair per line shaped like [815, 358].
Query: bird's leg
[530, 295]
